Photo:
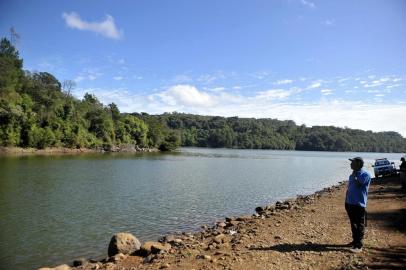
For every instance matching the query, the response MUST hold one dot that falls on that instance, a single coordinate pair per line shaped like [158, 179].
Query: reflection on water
[57, 208]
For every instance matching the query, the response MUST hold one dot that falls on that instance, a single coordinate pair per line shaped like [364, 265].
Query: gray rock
[221, 238]
[167, 239]
[244, 218]
[125, 243]
[80, 262]
[118, 257]
[232, 223]
[221, 224]
[153, 247]
[62, 267]
[150, 258]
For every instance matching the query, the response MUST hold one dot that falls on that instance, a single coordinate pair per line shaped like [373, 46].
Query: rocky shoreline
[15, 151]
[126, 252]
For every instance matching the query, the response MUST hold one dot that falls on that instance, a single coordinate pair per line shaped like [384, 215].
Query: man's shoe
[356, 249]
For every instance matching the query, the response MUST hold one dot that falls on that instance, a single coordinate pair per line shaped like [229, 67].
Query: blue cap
[358, 159]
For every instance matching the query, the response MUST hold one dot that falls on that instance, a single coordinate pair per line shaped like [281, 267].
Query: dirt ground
[310, 232]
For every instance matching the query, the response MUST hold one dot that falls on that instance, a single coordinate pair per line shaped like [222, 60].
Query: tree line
[36, 110]
[251, 133]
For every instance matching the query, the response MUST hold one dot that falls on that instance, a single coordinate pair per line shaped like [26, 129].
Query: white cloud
[79, 78]
[281, 82]
[308, 3]
[378, 82]
[90, 74]
[393, 86]
[185, 95]
[261, 75]
[273, 94]
[105, 28]
[217, 89]
[343, 80]
[118, 78]
[329, 22]
[213, 77]
[326, 92]
[182, 78]
[314, 85]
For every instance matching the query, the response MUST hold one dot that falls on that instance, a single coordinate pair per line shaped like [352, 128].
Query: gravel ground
[310, 232]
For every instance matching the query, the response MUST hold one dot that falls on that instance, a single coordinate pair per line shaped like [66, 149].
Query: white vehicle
[383, 167]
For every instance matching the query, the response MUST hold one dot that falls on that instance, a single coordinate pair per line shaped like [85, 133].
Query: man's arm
[362, 179]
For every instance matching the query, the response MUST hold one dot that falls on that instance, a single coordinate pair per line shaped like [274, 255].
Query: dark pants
[357, 215]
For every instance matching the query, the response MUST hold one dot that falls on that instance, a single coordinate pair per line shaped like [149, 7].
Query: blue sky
[339, 63]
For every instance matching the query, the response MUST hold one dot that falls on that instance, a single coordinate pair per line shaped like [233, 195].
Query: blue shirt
[357, 192]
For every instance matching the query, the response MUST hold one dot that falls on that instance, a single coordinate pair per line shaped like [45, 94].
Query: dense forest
[250, 133]
[36, 110]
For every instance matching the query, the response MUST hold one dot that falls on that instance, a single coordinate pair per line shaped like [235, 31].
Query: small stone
[62, 267]
[118, 257]
[79, 262]
[153, 247]
[221, 224]
[167, 239]
[221, 238]
[177, 241]
[232, 223]
[150, 258]
[244, 218]
[164, 266]
[207, 257]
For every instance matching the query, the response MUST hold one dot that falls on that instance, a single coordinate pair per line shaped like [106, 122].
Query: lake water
[54, 209]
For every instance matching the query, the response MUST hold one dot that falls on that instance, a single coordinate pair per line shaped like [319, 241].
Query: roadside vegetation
[38, 111]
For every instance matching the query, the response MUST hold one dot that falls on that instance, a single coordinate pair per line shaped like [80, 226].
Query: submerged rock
[125, 243]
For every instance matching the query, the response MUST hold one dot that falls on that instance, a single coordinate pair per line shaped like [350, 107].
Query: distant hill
[251, 133]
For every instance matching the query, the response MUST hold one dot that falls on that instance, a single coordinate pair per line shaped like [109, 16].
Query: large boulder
[125, 243]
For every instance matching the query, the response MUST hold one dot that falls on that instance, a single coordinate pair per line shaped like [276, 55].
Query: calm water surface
[54, 209]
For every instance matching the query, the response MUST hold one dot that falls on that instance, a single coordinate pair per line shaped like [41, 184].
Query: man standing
[356, 201]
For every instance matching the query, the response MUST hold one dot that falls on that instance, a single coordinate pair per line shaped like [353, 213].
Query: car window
[383, 162]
